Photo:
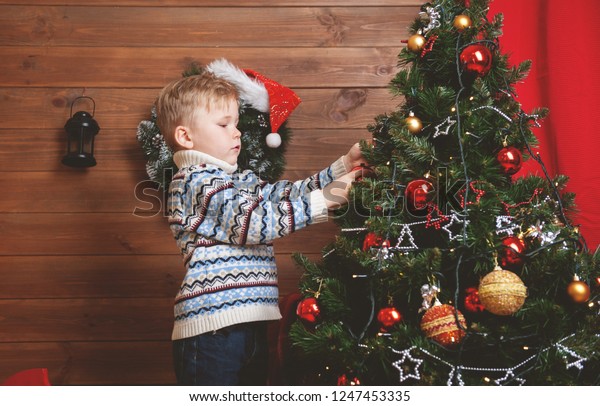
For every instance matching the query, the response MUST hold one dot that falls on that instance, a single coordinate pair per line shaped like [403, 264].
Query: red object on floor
[28, 377]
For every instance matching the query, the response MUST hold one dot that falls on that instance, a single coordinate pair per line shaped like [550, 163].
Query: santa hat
[261, 93]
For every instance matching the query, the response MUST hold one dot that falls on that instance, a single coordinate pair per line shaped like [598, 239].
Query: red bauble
[389, 317]
[510, 159]
[476, 59]
[365, 172]
[439, 324]
[371, 240]
[419, 193]
[472, 302]
[308, 310]
[511, 255]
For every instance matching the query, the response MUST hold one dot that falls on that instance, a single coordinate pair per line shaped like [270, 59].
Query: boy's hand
[336, 193]
[354, 158]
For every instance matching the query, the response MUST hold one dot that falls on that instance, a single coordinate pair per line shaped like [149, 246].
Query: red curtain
[562, 39]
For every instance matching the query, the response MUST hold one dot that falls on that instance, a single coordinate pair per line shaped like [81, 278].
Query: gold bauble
[579, 291]
[462, 22]
[502, 292]
[414, 124]
[416, 43]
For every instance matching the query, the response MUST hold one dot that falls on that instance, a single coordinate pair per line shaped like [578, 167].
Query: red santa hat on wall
[260, 93]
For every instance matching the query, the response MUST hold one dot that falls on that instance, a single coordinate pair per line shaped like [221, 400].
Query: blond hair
[177, 102]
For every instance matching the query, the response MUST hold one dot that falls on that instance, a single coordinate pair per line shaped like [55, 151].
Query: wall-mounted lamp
[81, 130]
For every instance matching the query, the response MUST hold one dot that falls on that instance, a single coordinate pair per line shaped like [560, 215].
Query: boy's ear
[183, 138]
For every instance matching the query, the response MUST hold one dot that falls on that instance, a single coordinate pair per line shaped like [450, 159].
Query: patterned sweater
[224, 224]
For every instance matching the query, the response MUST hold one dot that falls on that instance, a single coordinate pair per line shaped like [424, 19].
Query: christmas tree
[451, 267]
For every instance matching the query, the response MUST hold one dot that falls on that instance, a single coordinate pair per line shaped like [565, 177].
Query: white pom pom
[273, 140]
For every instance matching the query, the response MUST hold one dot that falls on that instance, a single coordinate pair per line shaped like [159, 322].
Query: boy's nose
[237, 133]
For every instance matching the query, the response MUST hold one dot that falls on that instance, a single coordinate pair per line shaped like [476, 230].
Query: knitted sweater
[224, 224]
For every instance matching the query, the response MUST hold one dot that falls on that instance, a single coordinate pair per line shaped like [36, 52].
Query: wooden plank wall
[86, 286]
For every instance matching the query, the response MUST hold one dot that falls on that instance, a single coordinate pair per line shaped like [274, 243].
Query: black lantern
[81, 130]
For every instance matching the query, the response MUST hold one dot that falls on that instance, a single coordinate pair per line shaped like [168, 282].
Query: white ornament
[408, 245]
[505, 224]
[429, 294]
[510, 376]
[433, 14]
[454, 219]
[549, 237]
[385, 254]
[455, 375]
[273, 140]
[448, 122]
[404, 363]
[579, 360]
[536, 230]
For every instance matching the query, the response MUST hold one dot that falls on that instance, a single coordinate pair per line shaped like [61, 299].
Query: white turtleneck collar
[191, 157]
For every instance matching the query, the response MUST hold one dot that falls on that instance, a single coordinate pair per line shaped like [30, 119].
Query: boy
[224, 222]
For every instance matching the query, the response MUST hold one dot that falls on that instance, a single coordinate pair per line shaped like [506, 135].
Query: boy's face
[215, 132]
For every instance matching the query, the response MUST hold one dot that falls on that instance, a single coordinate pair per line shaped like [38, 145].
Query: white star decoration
[509, 375]
[571, 358]
[455, 374]
[454, 219]
[579, 360]
[402, 363]
[448, 122]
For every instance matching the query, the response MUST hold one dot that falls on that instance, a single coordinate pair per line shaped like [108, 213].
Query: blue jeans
[235, 355]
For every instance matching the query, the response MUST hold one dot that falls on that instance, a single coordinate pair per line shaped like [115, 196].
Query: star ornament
[407, 365]
[578, 359]
[448, 123]
[455, 376]
[454, 219]
[510, 377]
[479, 193]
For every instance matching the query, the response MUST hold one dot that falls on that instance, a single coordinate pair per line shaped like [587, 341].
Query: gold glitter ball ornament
[439, 324]
[502, 292]
[416, 43]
